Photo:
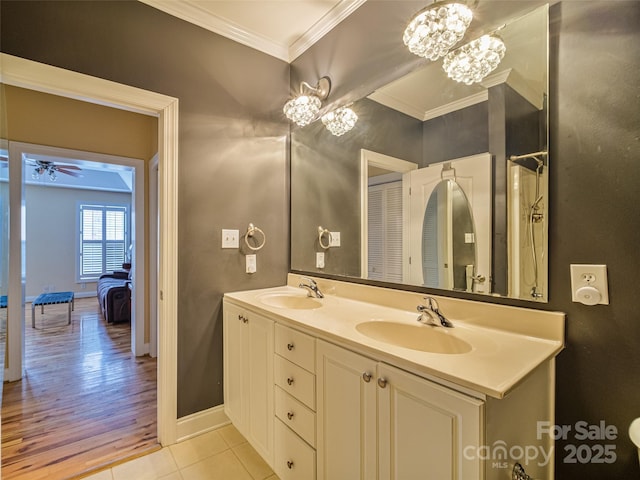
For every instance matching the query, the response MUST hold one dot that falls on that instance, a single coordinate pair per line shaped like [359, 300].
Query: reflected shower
[535, 162]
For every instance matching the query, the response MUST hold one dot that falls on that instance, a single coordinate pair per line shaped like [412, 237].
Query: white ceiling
[281, 28]
[286, 28]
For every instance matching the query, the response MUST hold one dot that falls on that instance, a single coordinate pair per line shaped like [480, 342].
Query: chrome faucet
[430, 314]
[312, 288]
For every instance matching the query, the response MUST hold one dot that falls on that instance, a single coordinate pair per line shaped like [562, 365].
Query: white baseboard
[201, 422]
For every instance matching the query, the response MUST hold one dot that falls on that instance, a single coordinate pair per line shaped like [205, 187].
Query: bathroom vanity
[352, 386]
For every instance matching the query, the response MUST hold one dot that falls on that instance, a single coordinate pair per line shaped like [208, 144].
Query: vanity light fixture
[472, 62]
[340, 120]
[303, 108]
[437, 28]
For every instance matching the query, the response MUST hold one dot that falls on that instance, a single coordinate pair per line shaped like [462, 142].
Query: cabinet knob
[290, 381]
[243, 319]
[289, 464]
[366, 376]
[290, 415]
[382, 382]
[290, 346]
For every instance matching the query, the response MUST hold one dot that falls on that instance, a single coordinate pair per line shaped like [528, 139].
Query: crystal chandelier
[437, 28]
[472, 62]
[340, 121]
[303, 108]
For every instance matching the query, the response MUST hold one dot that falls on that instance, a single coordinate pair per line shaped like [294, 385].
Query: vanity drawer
[296, 347]
[294, 459]
[296, 381]
[296, 416]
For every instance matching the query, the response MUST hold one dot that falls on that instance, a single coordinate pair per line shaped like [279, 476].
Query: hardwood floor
[85, 401]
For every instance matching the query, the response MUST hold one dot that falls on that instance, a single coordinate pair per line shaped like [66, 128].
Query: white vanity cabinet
[376, 421]
[316, 399]
[248, 376]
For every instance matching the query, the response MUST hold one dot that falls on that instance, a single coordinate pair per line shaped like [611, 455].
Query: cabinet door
[346, 414]
[423, 429]
[248, 376]
[234, 344]
[259, 389]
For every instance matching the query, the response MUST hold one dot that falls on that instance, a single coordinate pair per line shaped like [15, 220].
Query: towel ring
[251, 230]
[321, 233]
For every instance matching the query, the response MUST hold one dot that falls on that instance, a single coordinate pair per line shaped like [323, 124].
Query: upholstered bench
[51, 299]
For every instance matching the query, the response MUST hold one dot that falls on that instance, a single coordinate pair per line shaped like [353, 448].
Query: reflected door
[433, 233]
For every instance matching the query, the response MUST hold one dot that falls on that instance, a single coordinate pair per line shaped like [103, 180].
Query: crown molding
[336, 15]
[191, 12]
[465, 102]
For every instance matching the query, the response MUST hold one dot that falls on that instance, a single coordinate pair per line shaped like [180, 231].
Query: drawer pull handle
[290, 346]
[382, 382]
[366, 376]
[289, 464]
[290, 381]
[290, 415]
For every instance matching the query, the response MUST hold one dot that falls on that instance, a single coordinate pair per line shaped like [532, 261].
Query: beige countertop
[496, 362]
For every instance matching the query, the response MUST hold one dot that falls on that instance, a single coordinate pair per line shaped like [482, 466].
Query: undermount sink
[420, 337]
[287, 300]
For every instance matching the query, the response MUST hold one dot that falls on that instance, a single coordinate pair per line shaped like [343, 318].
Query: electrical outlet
[589, 284]
[230, 238]
[334, 239]
[251, 263]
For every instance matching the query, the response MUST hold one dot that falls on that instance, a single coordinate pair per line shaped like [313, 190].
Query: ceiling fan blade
[68, 172]
[68, 167]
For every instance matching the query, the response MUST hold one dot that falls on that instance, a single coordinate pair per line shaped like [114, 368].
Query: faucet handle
[311, 281]
[432, 304]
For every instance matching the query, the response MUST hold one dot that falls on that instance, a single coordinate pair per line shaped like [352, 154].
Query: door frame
[374, 159]
[36, 76]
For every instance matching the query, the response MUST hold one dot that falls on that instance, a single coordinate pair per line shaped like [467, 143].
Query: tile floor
[221, 454]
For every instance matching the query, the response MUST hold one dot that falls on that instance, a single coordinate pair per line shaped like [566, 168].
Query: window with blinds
[385, 232]
[104, 239]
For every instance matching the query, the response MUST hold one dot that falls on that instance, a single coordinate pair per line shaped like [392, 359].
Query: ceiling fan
[42, 167]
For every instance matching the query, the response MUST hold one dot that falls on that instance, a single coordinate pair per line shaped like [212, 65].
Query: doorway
[19, 156]
[45, 78]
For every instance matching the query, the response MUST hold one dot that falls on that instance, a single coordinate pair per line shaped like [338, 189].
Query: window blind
[103, 239]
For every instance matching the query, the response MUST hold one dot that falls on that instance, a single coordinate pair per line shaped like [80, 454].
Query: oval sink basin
[416, 337]
[284, 300]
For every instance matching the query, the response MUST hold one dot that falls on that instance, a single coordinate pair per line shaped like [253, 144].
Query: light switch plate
[230, 238]
[319, 259]
[589, 276]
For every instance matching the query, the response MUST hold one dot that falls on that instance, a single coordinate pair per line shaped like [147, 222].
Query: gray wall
[232, 148]
[594, 175]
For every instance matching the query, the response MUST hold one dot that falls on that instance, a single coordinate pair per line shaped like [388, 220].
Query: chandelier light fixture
[437, 28]
[472, 62]
[340, 120]
[303, 108]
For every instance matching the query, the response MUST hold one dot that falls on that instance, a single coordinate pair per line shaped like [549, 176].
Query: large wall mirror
[440, 184]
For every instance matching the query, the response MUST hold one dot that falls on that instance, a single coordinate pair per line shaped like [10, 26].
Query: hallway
[84, 401]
